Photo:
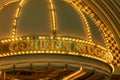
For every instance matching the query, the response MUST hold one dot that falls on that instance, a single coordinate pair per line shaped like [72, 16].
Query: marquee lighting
[78, 8]
[57, 45]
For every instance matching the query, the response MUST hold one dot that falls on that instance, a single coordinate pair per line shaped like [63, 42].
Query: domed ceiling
[91, 21]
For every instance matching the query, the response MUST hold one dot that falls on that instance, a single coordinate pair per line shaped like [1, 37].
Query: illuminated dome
[53, 34]
[44, 18]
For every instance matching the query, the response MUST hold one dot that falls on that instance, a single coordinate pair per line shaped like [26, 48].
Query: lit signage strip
[50, 45]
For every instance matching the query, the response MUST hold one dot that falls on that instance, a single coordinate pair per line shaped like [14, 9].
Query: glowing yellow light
[28, 38]
[35, 52]
[70, 52]
[13, 39]
[21, 2]
[59, 38]
[1, 55]
[73, 39]
[31, 51]
[55, 51]
[39, 51]
[16, 17]
[2, 41]
[17, 12]
[58, 51]
[23, 52]
[8, 54]
[9, 40]
[84, 18]
[6, 40]
[40, 37]
[51, 37]
[16, 39]
[77, 40]
[63, 38]
[4, 55]
[43, 37]
[47, 51]
[11, 53]
[63, 52]
[13, 33]
[43, 51]
[20, 38]
[27, 52]
[15, 53]
[77, 53]
[51, 51]
[53, 16]
[66, 38]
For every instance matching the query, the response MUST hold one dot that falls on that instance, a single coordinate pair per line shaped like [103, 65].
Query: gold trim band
[57, 45]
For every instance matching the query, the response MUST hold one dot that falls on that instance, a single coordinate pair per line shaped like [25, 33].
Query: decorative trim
[57, 45]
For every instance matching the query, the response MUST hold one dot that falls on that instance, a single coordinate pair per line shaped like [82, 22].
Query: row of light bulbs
[53, 16]
[52, 7]
[50, 52]
[17, 13]
[99, 23]
[76, 4]
[58, 52]
[28, 38]
[91, 14]
[106, 33]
